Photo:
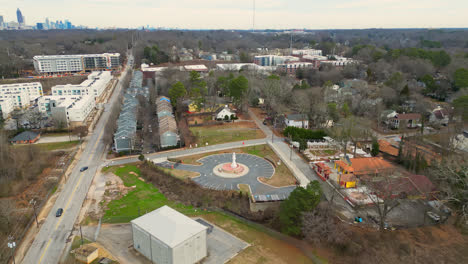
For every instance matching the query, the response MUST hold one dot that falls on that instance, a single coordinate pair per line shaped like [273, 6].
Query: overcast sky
[237, 14]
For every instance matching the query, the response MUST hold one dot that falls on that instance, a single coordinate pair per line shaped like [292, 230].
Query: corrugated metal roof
[169, 226]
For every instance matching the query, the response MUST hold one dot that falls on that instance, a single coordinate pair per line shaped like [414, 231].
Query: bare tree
[321, 226]
[385, 191]
[451, 177]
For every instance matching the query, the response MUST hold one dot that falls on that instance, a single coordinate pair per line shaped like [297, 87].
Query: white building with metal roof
[166, 236]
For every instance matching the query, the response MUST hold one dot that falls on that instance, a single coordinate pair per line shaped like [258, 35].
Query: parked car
[59, 212]
[83, 169]
[435, 217]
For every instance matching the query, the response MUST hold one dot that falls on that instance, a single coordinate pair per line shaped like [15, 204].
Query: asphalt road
[52, 237]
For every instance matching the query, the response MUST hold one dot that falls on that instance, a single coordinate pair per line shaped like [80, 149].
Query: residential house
[224, 113]
[296, 120]
[387, 115]
[411, 120]
[26, 137]
[388, 149]
[168, 133]
[168, 136]
[439, 116]
[416, 186]
[364, 167]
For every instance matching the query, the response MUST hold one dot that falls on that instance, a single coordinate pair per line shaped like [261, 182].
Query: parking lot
[258, 167]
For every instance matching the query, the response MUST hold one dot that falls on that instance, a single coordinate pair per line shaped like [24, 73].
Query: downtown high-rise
[19, 16]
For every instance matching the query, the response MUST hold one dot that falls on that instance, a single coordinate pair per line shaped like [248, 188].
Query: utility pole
[290, 44]
[81, 233]
[12, 245]
[291, 147]
[33, 203]
[253, 20]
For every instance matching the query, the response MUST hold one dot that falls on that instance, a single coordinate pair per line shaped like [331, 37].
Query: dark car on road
[59, 212]
[83, 169]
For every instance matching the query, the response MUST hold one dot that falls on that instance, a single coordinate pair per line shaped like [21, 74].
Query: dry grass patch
[263, 248]
[181, 174]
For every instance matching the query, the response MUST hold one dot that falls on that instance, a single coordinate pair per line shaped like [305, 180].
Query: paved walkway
[53, 139]
[258, 167]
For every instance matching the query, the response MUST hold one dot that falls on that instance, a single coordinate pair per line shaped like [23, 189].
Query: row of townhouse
[168, 133]
[124, 137]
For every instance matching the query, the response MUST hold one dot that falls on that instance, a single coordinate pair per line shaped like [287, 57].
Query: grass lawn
[58, 145]
[53, 146]
[282, 177]
[225, 133]
[142, 199]
[59, 134]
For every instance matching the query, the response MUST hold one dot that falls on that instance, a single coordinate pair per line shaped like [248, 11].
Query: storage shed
[166, 236]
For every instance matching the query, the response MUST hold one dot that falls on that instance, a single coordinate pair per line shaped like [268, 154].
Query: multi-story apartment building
[50, 64]
[94, 85]
[72, 112]
[302, 52]
[6, 107]
[273, 60]
[22, 94]
[292, 67]
[44, 102]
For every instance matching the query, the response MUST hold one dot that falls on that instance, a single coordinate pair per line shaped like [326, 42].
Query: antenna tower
[253, 17]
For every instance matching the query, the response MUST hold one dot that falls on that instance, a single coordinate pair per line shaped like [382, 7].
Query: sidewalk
[52, 139]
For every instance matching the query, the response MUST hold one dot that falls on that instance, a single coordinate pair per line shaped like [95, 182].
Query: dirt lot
[181, 174]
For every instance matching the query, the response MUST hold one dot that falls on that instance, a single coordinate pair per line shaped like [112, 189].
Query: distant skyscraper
[1, 19]
[47, 24]
[19, 16]
[40, 26]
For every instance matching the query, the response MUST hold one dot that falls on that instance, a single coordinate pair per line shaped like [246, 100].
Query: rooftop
[26, 135]
[38, 57]
[370, 165]
[169, 226]
[387, 147]
[411, 116]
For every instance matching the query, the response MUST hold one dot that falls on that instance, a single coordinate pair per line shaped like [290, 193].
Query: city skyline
[228, 14]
